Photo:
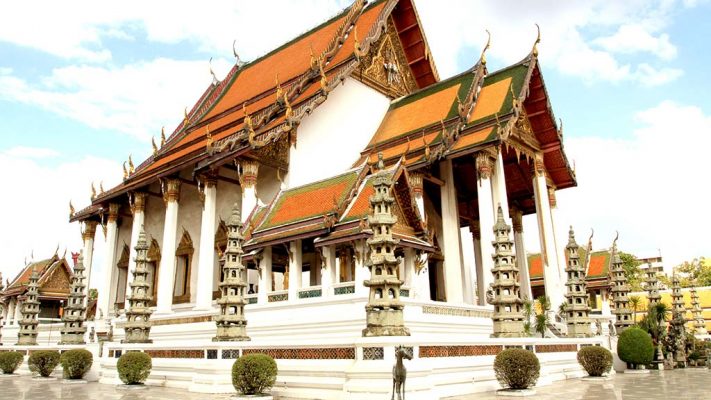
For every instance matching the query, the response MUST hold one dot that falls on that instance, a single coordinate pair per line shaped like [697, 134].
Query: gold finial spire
[538, 40]
[72, 211]
[153, 143]
[357, 49]
[162, 136]
[289, 112]
[101, 187]
[488, 44]
[131, 168]
[93, 191]
[125, 171]
[185, 116]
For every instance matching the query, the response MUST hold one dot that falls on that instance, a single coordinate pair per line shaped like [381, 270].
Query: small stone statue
[598, 327]
[611, 327]
[400, 373]
[490, 294]
[92, 335]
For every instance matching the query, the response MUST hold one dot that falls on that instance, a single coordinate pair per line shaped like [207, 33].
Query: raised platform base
[74, 382]
[515, 392]
[637, 371]
[597, 378]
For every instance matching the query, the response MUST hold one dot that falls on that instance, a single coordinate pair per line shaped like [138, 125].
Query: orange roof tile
[491, 99]
[474, 138]
[535, 266]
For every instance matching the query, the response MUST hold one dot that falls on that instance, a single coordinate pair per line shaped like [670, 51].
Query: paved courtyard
[678, 385]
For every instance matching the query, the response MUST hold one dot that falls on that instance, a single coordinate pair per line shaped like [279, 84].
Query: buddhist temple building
[54, 281]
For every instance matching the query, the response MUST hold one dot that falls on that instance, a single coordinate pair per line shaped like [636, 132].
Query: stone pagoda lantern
[75, 310]
[577, 308]
[699, 321]
[620, 290]
[27, 335]
[231, 324]
[384, 311]
[138, 325]
[653, 295]
[506, 291]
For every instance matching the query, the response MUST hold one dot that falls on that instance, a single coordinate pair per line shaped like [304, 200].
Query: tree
[696, 272]
[542, 319]
[655, 322]
[633, 273]
[635, 301]
[93, 294]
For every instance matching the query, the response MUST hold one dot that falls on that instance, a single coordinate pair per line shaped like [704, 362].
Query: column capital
[248, 173]
[171, 190]
[484, 165]
[416, 180]
[517, 220]
[539, 167]
[113, 212]
[551, 197]
[137, 201]
[89, 230]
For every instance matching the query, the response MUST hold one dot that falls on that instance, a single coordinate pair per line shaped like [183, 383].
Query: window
[183, 259]
[122, 280]
[153, 267]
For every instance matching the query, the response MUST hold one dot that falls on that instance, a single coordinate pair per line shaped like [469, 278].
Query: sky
[84, 84]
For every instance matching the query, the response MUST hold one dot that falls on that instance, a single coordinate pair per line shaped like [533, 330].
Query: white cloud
[136, 99]
[592, 40]
[35, 215]
[652, 187]
[650, 76]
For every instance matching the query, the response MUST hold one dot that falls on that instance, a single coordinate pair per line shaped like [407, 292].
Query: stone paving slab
[686, 384]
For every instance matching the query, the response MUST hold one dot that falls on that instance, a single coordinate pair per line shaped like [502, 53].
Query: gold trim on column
[89, 230]
[484, 165]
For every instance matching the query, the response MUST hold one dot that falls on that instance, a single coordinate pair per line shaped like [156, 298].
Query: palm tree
[635, 302]
[655, 322]
[542, 323]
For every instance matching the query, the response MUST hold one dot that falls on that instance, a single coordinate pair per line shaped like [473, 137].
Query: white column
[87, 235]
[452, 250]
[409, 275]
[107, 294]
[416, 181]
[295, 269]
[206, 256]
[484, 165]
[10, 311]
[605, 303]
[265, 276]
[551, 266]
[18, 311]
[560, 241]
[138, 209]
[478, 273]
[521, 259]
[166, 275]
[361, 271]
[248, 180]
[328, 272]
[498, 185]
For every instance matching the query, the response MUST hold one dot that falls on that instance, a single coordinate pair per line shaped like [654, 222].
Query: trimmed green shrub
[76, 363]
[134, 367]
[254, 373]
[596, 360]
[517, 368]
[10, 361]
[43, 362]
[635, 347]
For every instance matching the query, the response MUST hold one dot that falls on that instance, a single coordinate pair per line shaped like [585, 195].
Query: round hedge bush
[10, 361]
[134, 367]
[517, 368]
[43, 362]
[634, 346]
[596, 360]
[76, 363]
[254, 373]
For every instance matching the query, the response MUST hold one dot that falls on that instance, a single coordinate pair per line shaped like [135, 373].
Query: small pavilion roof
[45, 270]
[598, 269]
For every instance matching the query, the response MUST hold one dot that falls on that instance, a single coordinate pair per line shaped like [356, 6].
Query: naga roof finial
[208, 135]
[72, 211]
[279, 90]
[162, 136]
[238, 60]
[482, 59]
[155, 147]
[185, 116]
[538, 40]
[101, 187]
[93, 191]
[215, 81]
[125, 171]
[131, 168]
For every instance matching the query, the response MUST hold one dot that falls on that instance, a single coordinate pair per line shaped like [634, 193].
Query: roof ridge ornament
[162, 136]
[131, 168]
[185, 117]
[534, 51]
[93, 191]
[215, 81]
[238, 60]
[482, 58]
[153, 144]
[72, 211]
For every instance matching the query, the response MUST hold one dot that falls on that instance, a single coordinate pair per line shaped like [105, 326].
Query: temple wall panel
[268, 184]
[330, 140]
[154, 219]
[189, 219]
[227, 195]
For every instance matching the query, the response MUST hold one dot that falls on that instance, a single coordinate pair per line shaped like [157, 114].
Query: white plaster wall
[154, 219]
[330, 140]
[268, 184]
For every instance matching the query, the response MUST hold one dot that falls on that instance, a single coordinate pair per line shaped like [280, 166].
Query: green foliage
[635, 346]
[632, 271]
[654, 322]
[517, 368]
[635, 301]
[10, 361]
[93, 294]
[596, 360]
[43, 361]
[696, 272]
[134, 367]
[527, 314]
[542, 320]
[254, 373]
[76, 363]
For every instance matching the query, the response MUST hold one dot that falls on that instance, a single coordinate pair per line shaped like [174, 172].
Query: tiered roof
[54, 279]
[596, 274]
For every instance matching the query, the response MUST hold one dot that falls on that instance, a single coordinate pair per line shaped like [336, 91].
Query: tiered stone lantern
[27, 335]
[138, 324]
[231, 324]
[678, 323]
[699, 322]
[2, 308]
[577, 309]
[620, 290]
[505, 297]
[384, 311]
[75, 310]
[653, 295]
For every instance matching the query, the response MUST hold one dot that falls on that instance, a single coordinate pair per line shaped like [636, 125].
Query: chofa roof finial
[538, 40]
